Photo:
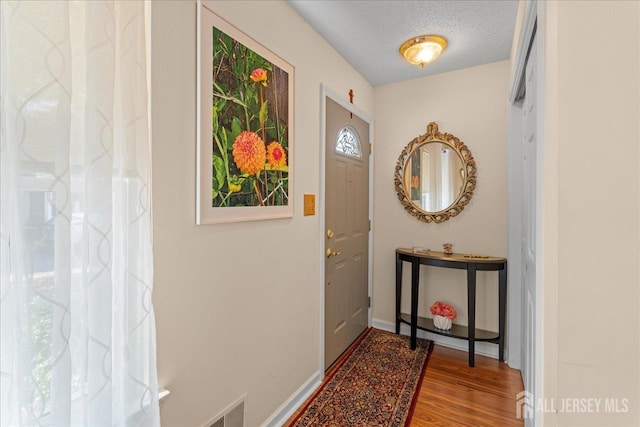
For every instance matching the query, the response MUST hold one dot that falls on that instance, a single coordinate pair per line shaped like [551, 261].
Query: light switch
[309, 204]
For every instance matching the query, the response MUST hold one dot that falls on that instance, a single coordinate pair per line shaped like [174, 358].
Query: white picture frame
[262, 110]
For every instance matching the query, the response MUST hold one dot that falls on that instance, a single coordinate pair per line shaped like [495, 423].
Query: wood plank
[453, 394]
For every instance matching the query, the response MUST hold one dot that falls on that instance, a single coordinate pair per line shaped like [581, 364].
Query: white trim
[514, 241]
[162, 394]
[526, 35]
[324, 93]
[482, 348]
[287, 409]
[321, 201]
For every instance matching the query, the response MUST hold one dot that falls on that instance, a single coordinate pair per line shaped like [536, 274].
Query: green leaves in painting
[250, 127]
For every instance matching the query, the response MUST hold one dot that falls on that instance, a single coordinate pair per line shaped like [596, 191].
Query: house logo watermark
[524, 405]
[527, 405]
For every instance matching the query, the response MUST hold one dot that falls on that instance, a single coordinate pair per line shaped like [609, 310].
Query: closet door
[528, 235]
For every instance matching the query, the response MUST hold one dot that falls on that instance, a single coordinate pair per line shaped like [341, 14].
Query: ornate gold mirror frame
[468, 185]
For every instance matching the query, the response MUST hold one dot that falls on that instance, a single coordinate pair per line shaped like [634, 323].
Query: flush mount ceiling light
[423, 49]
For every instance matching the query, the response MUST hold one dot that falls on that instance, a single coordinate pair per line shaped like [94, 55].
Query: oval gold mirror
[435, 176]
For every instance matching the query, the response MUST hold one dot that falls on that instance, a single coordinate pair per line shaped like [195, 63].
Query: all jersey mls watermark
[527, 405]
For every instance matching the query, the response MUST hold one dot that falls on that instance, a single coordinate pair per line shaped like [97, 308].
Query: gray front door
[347, 229]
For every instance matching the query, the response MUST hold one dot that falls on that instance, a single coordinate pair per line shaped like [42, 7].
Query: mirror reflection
[434, 176]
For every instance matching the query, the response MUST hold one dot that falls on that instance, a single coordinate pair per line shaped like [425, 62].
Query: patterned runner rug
[375, 384]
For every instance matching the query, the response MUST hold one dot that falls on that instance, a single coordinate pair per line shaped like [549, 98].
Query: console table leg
[471, 307]
[398, 291]
[502, 292]
[415, 279]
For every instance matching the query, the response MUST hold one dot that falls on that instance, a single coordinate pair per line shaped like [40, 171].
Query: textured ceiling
[369, 33]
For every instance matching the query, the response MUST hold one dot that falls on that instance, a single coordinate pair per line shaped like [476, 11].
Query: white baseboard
[282, 414]
[482, 348]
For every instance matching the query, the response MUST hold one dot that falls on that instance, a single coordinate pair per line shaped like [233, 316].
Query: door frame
[324, 93]
[534, 24]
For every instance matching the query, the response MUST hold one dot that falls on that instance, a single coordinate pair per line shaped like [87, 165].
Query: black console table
[471, 263]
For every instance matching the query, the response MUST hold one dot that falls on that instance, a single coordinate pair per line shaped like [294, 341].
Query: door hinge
[370, 148]
[369, 302]
[369, 225]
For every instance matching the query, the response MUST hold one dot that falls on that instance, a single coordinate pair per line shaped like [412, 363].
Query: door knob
[331, 252]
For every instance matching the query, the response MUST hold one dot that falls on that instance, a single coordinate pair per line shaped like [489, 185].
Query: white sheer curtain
[77, 343]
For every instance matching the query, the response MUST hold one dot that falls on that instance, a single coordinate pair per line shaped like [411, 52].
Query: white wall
[236, 304]
[591, 205]
[472, 105]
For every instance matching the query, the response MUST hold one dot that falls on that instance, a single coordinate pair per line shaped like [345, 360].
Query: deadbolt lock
[329, 233]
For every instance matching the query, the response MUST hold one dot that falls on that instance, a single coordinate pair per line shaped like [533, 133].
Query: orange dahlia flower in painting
[259, 76]
[249, 153]
[276, 157]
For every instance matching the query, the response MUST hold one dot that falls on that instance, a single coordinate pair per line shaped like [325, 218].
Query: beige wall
[236, 304]
[472, 105]
[592, 207]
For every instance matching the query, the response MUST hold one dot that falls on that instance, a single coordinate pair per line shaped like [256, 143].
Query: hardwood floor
[453, 394]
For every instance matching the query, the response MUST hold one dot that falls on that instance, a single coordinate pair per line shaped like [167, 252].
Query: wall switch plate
[309, 204]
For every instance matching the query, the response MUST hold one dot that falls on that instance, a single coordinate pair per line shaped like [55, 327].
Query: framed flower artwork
[245, 141]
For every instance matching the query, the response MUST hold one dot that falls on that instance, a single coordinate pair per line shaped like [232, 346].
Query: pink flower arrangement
[443, 309]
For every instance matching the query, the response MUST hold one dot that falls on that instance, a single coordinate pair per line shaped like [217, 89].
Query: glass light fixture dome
[423, 49]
